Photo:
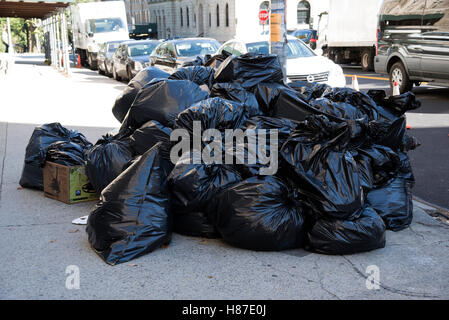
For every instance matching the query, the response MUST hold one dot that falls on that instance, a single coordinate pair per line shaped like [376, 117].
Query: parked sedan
[172, 54]
[302, 63]
[131, 57]
[104, 57]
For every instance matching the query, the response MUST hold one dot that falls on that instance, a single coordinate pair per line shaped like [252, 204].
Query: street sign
[263, 15]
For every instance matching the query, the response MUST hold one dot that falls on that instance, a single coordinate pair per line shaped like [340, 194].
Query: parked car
[413, 42]
[131, 57]
[308, 36]
[302, 63]
[172, 54]
[104, 57]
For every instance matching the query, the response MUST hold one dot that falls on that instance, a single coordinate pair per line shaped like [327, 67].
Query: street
[40, 243]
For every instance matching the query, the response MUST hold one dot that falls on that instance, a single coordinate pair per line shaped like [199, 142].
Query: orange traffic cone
[78, 63]
[355, 83]
[396, 91]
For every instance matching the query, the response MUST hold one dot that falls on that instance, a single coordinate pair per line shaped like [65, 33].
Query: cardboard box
[67, 184]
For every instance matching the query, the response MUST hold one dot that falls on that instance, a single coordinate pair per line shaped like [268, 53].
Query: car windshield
[303, 34]
[112, 47]
[295, 49]
[143, 49]
[191, 48]
[106, 25]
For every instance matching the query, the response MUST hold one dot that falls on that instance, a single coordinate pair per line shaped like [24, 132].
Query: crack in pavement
[320, 278]
[417, 233]
[33, 224]
[423, 245]
[439, 225]
[390, 289]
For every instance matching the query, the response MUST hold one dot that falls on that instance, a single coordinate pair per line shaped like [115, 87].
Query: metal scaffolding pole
[65, 43]
[58, 43]
[53, 44]
[278, 34]
[10, 44]
[50, 38]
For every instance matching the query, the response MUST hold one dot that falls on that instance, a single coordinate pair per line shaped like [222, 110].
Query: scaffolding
[54, 23]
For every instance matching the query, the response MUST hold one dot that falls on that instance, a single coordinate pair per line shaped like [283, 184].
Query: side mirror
[319, 52]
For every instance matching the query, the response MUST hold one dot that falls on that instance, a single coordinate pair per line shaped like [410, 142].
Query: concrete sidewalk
[39, 242]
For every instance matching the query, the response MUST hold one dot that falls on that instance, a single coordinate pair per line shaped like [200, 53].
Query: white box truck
[347, 32]
[95, 23]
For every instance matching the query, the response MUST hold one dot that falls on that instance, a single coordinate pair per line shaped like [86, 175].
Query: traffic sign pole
[278, 35]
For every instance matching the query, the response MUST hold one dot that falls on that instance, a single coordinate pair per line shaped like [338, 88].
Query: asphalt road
[430, 124]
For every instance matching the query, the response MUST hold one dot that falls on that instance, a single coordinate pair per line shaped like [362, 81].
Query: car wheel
[114, 74]
[129, 73]
[367, 60]
[106, 71]
[100, 71]
[339, 58]
[399, 75]
[90, 61]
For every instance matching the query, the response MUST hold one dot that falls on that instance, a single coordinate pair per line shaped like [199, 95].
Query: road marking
[367, 77]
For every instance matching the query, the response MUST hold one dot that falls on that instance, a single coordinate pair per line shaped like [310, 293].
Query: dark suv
[413, 42]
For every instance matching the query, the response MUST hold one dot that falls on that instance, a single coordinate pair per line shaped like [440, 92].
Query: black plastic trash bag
[258, 214]
[147, 136]
[340, 110]
[378, 164]
[194, 185]
[162, 101]
[235, 92]
[341, 103]
[393, 201]
[194, 224]
[213, 113]
[249, 70]
[66, 153]
[284, 126]
[358, 99]
[397, 105]
[198, 74]
[262, 128]
[324, 170]
[277, 100]
[36, 151]
[106, 160]
[126, 98]
[132, 217]
[310, 90]
[364, 231]
[216, 60]
[197, 62]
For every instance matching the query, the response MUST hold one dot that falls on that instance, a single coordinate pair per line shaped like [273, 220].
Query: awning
[31, 8]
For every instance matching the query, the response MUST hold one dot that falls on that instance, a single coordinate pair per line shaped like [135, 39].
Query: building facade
[226, 19]
[137, 12]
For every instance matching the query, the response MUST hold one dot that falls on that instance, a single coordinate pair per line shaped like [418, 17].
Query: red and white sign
[263, 15]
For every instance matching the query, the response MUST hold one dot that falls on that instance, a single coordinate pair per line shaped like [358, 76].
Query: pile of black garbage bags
[337, 178]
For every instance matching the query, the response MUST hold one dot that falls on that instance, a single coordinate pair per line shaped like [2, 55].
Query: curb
[432, 210]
